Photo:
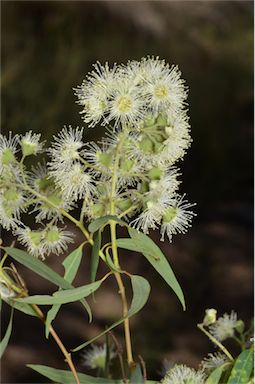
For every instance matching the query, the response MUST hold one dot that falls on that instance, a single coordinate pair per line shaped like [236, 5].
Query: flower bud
[210, 316]
[239, 326]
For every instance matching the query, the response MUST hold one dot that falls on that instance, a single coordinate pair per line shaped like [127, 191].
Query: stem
[215, 341]
[55, 336]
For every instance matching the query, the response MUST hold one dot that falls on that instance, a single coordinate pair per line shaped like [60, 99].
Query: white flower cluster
[181, 374]
[224, 327]
[130, 173]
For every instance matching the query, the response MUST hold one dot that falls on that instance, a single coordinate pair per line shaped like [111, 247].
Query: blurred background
[47, 49]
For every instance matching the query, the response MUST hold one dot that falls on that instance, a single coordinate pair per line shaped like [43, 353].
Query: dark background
[47, 49]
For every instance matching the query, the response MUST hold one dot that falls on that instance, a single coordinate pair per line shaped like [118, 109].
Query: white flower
[176, 218]
[76, 184]
[8, 149]
[33, 241]
[55, 240]
[94, 92]
[181, 374]
[224, 327]
[65, 150]
[30, 144]
[96, 357]
[213, 361]
[39, 178]
[11, 201]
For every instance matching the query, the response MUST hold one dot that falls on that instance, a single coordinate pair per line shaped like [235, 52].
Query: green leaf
[144, 244]
[5, 340]
[22, 307]
[95, 256]
[63, 297]
[242, 369]
[71, 265]
[141, 291]
[66, 377]
[215, 375]
[136, 376]
[101, 221]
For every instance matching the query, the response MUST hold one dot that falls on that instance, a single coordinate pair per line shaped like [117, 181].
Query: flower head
[181, 374]
[55, 240]
[30, 143]
[224, 327]
[8, 149]
[33, 241]
[95, 357]
[213, 360]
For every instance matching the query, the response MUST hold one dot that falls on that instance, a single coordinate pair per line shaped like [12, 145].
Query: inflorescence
[130, 173]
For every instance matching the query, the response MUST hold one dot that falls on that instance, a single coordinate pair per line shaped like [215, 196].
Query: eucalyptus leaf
[139, 242]
[71, 265]
[95, 256]
[101, 221]
[141, 291]
[242, 368]
[22, 307]
[215, 375]
[4, 342]
[63, 297]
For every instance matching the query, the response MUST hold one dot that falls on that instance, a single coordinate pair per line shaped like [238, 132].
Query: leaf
[215, 375]
[71, 265]
[101, 221]
[242, 369]
[136, 376]
[63, 297]
[144, 244]
[22, 307]
[95, 256]
[6, 338]
[141, 291]
[42, 270]
[66, 377]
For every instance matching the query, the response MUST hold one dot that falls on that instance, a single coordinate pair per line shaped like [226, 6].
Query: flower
[224, 327]
[30, 144]
[213, 361]
[210, 316]
[55, 240]
[8, 149]
[11, 201]
[176, 218]
[33, 241]
[65, 151]
[181, 374]
[96, 356]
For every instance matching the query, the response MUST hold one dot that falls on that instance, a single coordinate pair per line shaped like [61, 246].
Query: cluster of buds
[130, 173]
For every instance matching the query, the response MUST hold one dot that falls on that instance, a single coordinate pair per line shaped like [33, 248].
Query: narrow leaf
[215, 375]
[144, 244]
[242, 369]
[4, 342]
[71, 265]
[63, 297]
[66, 377]
[101, 221]
[22, 307]
[141, 291]
[95, 256]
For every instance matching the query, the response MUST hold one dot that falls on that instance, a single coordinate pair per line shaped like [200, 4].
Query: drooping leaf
[4, 342]
[242, 368]
[42, 270]
[101, 221]
[215, 375]
[136, 375]
[61, 376]
[71, 265]
[64, 296]
[141, 291]
[139, 242]
[22, 307]
[95, 256]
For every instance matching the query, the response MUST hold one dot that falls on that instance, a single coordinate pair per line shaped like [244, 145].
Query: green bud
[29, 148]
[155, 173]
[169, 215]
[8, 156]
[162, 121]
[239, 326]
[52, 235]
[44, 183]
[210, 316]
[36, 237]
[144, 187]
[146, 145]
[11, 195]
[158, 147]
[124, 204]
[126, 164]
[149, 121]
[98, 210]
[105, 159]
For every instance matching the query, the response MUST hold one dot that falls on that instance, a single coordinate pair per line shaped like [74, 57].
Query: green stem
[215, 341]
